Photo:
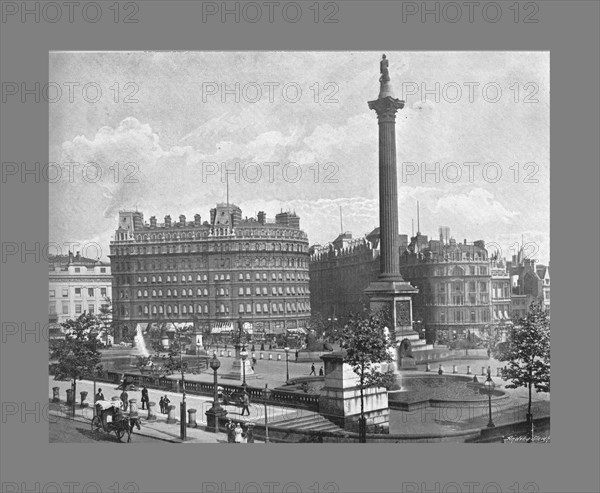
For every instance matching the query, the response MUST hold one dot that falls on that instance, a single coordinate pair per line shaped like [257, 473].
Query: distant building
[340, 272]
[454, 282]
[501, 297]
[211, 273]
[76, 284]
[529, 282]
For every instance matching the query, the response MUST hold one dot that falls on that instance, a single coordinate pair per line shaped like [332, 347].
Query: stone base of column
[213, 415]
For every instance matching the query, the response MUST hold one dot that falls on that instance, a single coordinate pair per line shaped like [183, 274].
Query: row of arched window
[221, 308]
[175, 293]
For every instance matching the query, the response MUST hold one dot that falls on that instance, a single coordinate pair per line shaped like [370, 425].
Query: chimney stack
[262, 217]
[182, 220]
[167, 221]
[153, 222]
[197, 220]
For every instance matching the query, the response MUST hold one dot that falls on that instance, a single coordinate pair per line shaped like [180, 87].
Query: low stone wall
[285, 435]
[310, 356]
[278, 397]
[438, 354]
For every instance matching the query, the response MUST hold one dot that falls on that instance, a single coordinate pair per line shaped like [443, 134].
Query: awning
[297, 331]
[221, 328]
[175, 326]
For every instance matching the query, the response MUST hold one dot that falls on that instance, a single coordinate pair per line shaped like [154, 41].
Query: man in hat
[245, 403]
[145, 397]
[230, 431]
[124, 399]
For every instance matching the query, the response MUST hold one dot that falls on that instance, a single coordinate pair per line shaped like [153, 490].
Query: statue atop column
[385, 85]
[383, 69]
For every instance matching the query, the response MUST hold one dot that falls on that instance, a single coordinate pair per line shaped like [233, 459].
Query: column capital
[386, 108]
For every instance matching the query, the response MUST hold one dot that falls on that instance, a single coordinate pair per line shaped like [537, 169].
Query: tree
[366, 347]
[528, 355]
[77, 355]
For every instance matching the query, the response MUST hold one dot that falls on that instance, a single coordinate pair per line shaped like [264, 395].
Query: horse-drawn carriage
[109, 418]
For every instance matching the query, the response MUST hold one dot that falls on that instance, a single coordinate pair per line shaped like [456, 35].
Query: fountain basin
[421, 391]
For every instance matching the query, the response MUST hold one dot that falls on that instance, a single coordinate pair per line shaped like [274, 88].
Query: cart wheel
[96, 423]
[120, 433]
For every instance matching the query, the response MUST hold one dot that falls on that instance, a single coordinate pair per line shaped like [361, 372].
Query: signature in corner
[525, 438]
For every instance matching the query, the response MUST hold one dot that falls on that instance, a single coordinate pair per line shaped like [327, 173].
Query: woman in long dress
[238, 433]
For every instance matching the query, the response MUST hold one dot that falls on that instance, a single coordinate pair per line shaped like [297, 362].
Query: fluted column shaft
[386, 109]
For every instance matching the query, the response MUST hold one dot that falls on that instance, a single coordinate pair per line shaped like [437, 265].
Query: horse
[120, 423]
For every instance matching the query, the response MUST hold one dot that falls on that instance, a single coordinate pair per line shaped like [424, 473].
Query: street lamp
[244, 355]
[216, 411]
[489, 387]
[287, 366]
[266, 397]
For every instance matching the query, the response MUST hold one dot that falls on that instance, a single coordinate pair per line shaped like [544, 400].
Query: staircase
[308, 421]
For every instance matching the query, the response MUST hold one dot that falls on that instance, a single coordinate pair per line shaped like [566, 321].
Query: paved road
[64, 430]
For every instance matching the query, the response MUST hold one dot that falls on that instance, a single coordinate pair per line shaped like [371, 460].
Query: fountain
[140, 343]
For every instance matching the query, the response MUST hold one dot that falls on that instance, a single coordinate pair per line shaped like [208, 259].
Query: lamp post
[489, 387]
[182, 405]
[216, 411]
[266, 396]
[287, 366]
[244, 355]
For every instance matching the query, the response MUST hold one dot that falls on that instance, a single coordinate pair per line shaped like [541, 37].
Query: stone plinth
[237, 368]
[171, 416]
[151, 411]
[55, 394]
[213, 415]
[339, 400]
[192, 418]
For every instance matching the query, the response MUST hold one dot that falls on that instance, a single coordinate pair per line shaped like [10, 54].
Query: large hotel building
[210, 273]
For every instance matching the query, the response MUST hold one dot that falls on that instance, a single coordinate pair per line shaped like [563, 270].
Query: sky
[164, 131]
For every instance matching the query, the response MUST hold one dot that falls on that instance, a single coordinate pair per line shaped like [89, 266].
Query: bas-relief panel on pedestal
[402, 312]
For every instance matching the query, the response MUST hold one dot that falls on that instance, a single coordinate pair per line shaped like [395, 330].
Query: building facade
[529, 282]
[211, 273]
[76, 284]
[454, 281]
[340, 273]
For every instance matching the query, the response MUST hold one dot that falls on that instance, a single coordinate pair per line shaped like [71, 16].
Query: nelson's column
[390, 291]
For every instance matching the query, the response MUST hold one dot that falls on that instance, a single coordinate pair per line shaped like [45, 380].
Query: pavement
[422, 421]
[272, 372]
[159, 428]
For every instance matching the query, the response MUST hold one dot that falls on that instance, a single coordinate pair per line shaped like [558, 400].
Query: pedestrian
[230, 427]
[245, 403]
[321, 372]
[253, 363]
[312, 370]
[161, 403]
[237, 433]
[167, 401]
[145, 398]
[124, 400]
[489, 351]
[296, 356]
[99, 396]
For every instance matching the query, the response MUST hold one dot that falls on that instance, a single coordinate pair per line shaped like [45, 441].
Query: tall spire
[418, 220]
[341, 221]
